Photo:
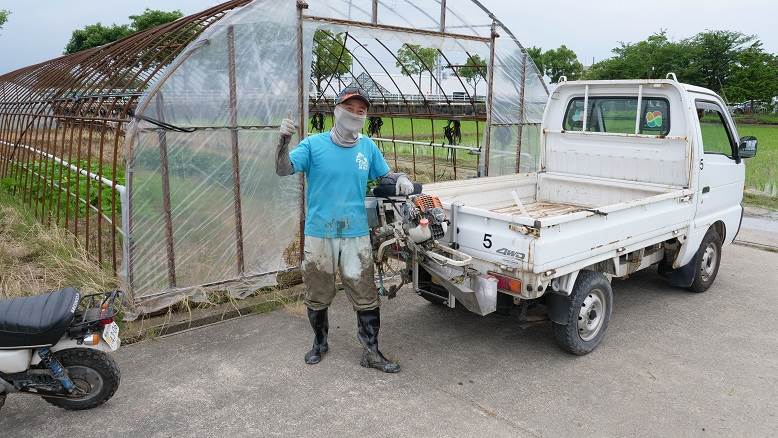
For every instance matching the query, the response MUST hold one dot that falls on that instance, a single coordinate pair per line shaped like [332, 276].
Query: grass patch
[400, 156]
[756, 200]
[46, 183]
[267, 306]
[36, 258]
[762, 170]
[769, 118]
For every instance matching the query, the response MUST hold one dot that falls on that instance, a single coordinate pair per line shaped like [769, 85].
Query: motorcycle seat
[37, 321]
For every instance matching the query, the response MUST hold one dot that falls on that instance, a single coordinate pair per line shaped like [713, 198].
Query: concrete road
[673, 363]
[760, 230]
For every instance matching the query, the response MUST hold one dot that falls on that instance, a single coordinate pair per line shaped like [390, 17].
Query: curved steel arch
[57, 116]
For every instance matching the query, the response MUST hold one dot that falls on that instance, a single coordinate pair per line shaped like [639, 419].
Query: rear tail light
[104, 309]
[507, 284]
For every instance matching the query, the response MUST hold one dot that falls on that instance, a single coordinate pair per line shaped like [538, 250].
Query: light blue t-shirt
[336, 178]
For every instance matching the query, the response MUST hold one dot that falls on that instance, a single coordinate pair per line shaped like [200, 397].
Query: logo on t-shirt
[361, 162]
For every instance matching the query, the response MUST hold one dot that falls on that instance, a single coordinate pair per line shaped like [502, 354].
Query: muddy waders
[320, 326]
[368, 324]
[352, 257]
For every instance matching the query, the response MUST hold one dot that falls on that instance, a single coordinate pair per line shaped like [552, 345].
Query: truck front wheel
[588, 314]
[706, 262]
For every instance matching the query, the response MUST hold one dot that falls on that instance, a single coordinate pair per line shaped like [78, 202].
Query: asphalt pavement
[673, 363]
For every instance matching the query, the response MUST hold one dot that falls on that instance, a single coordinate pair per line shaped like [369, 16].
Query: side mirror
[747, 147]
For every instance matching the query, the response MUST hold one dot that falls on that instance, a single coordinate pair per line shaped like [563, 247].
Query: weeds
[35, 258]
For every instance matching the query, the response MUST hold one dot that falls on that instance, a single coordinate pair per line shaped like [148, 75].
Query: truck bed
[544, 195]
[567, 219]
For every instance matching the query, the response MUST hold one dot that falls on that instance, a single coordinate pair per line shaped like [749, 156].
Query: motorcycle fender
[67, 343]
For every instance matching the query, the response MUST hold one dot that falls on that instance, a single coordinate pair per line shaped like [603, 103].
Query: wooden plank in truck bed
[541, 209]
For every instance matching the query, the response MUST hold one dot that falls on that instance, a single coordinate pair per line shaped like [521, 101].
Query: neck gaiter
[347, 127]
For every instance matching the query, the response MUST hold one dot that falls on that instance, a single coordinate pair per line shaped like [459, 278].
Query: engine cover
[427, 207]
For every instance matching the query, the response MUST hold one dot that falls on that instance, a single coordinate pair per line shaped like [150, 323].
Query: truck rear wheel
[706, 262]
[588, 314]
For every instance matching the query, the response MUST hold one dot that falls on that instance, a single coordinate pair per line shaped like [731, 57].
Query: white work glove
[283, 165]
[287, 127]
[404, 186]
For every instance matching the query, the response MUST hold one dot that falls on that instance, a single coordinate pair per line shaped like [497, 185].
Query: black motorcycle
[57, 346]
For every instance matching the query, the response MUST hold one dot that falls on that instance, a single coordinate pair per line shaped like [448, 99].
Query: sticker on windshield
[654, 119]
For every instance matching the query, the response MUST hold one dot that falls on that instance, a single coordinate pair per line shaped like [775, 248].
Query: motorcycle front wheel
[94, 373]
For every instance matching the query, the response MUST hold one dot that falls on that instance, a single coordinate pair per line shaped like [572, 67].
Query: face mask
[347, 127]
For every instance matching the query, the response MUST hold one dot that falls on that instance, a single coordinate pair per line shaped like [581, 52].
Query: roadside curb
[755, 245]
[168, 324]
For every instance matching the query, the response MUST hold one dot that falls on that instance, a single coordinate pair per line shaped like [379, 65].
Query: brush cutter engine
[400, 228]
[423, 219]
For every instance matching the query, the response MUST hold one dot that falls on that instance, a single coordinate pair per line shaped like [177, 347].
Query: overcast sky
[39, 29]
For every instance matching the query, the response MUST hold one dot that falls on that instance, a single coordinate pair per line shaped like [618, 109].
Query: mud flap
[504, 303]
[558, 307]
[681, 277]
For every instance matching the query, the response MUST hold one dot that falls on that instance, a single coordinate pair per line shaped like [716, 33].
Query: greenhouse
[157, 150]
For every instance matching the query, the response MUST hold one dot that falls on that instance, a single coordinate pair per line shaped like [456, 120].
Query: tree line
[730, 63]
[95, 35]
[3, 17]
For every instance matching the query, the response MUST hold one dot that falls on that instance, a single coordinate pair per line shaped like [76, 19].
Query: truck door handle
[706, 189]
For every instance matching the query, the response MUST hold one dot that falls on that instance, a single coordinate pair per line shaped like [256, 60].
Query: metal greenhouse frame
[59, 115]
[155, 150]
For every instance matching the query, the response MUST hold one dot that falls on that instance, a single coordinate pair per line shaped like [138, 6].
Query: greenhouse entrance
[455, 96]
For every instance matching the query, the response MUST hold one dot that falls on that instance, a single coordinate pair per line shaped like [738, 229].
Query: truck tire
[706, 262]
[588, 314]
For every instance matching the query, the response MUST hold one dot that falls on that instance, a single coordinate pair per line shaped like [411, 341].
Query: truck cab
[683, 137]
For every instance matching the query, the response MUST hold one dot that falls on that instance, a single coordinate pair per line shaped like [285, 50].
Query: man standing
[337, 165]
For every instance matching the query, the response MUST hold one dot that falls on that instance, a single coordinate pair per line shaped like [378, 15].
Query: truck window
[617, 115]
[713, 126]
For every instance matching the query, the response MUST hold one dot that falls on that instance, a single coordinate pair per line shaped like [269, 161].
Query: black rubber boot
[368, 324]
[320, 325]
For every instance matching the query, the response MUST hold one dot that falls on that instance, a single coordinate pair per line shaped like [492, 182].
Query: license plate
[111, 335]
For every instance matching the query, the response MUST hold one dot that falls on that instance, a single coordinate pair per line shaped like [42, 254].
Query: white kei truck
[633, 174]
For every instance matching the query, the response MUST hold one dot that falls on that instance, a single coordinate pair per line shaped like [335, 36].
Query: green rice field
[761, 171]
